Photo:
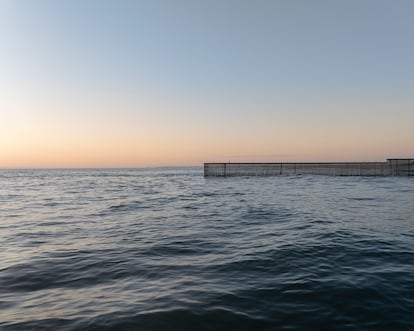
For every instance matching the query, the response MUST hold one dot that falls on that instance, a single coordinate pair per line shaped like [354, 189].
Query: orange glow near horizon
[164, 153]
[34, 134]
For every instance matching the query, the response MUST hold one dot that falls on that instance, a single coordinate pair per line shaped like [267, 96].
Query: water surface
[166, 249]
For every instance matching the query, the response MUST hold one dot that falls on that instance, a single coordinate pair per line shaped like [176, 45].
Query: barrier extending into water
[392, 167]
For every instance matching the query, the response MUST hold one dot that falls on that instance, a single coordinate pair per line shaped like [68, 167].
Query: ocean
[167, 249]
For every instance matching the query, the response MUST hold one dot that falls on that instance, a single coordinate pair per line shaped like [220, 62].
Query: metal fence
[393, 167]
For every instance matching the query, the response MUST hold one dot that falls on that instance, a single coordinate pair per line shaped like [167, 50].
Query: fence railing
[393, 167]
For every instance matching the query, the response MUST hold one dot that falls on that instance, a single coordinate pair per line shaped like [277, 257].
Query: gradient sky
[150, 83]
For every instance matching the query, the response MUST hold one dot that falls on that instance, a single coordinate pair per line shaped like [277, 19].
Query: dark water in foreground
[166, 249]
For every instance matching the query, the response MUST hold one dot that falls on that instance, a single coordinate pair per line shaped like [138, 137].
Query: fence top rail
[278, 163]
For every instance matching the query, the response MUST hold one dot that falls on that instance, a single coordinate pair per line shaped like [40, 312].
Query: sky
[97, 83]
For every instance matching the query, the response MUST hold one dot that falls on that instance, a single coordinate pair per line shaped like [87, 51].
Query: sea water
[167, 249]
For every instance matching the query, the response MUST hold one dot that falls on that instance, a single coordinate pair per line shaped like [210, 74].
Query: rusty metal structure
[392, 167]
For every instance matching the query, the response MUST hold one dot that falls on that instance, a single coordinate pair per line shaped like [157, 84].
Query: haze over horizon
[159, 83]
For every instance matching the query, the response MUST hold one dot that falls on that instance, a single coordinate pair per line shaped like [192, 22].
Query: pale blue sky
[288, 62]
